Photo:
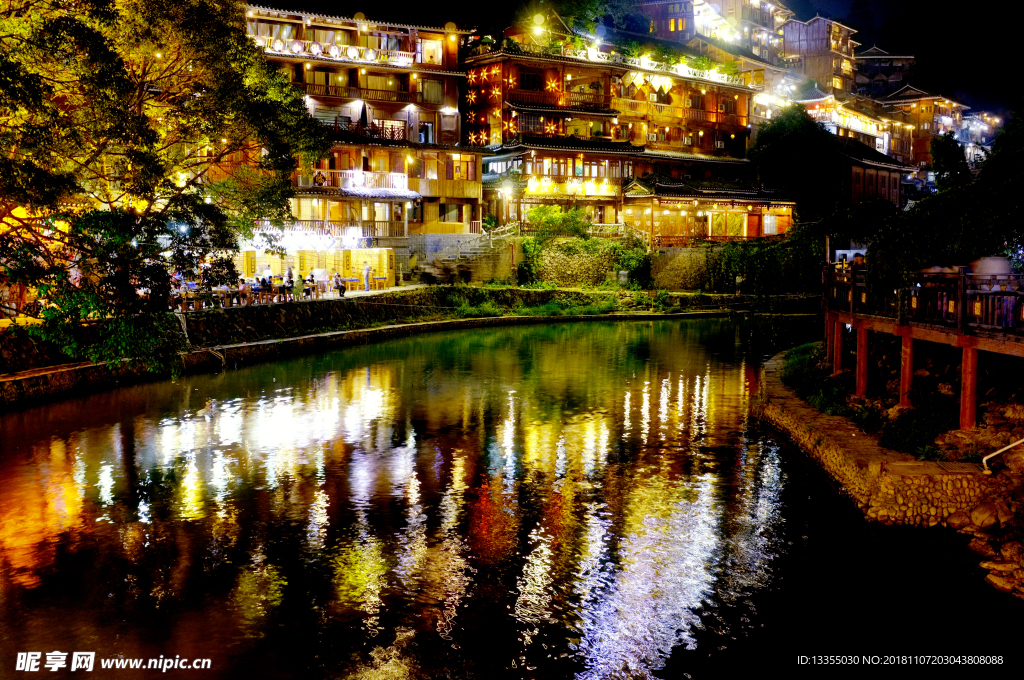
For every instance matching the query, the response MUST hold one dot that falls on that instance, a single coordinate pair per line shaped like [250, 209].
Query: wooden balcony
[346, 92]
[558, 99]
[357, 53]
[343, 179]
[448, 188]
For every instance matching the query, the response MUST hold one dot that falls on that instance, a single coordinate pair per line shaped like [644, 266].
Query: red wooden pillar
[837, 346]
[906, 370]
[862, 361]
[969, 389]
[828, 334]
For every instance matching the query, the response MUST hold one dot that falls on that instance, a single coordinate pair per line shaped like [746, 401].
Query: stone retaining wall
[72, 380]
[894, 488]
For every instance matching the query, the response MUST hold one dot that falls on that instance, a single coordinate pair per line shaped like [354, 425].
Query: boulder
[1014, 412]
[998, 566]
[1014, 460]
[958, 520]
[946, 389]
[1012, 551]
[1003, 583]
[985, 515]
[1003, 512]
[982, 547]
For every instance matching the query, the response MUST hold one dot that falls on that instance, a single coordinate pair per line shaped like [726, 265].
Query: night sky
[962, 50]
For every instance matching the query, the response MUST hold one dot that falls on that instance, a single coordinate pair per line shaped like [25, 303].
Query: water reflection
[582, 493]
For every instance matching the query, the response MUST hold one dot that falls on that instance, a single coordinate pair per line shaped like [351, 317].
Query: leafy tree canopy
[796, 154]
[139, 135]
[949, 163]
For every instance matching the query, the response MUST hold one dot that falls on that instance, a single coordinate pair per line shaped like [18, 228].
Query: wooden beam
[969, 389]
[862, 361]
[906, 370]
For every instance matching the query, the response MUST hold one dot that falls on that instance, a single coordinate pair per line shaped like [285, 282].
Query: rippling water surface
[582, 501]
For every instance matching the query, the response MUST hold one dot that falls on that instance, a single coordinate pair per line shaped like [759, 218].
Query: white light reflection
[662, 580]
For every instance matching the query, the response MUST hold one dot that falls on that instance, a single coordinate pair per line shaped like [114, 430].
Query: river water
[560, 501]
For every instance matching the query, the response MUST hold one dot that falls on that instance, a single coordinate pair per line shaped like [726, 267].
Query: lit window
[672, 24]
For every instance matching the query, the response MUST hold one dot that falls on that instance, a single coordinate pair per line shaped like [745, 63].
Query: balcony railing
[344, 179]
[558, 98]
[630, 108]
[346, 92]
[310, 48]
[377, 228]
[366, 228]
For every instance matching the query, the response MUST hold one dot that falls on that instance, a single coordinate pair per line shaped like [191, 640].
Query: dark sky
[961, 52]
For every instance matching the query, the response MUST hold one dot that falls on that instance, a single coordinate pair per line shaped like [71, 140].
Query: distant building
[751, 25]
[821, 50]
[848, 116]
[929, 114]
[389, 92]
[878, 73]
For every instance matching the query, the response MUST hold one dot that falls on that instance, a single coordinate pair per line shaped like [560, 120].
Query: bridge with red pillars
[975, 312]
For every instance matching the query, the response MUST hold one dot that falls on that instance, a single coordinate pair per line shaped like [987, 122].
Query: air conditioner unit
[721, 108]
[719, 145]
[652, 137]
[687, 140]
[689, 103]
[616, 80]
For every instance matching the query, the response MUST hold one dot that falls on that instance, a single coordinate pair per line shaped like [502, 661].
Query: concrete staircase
[467, 251]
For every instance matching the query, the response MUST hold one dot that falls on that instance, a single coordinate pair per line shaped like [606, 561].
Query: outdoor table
[350, 283]
[378, 282]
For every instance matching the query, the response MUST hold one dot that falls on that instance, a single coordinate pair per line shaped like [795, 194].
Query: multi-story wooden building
[878, 73]
[750, 25]
[390, 94]
[573, 125]
[821, 50]
[929, 114]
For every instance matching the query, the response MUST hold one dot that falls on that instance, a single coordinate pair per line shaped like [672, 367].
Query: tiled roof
[688, 156]
[692, 190]
[360, 192]
[349, 137]
[573, 143]
[729, 48]
[862, 153]
[812, 95]
[562, 110]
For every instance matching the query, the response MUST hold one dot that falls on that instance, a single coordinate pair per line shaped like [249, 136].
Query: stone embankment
[894, 488]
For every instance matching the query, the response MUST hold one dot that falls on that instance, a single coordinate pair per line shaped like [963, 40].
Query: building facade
[821, 50]
[390, 94]
[878, 73]
[929, 114]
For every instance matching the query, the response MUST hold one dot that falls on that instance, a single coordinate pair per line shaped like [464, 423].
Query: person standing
[366, 277]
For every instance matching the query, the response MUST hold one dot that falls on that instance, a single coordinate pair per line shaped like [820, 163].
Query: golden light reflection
[518, 455]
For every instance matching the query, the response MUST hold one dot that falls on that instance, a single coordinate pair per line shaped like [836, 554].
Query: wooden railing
[376, 229]
[366, 228]
[311, 48]
[956, 300]
[557, 98]
[631, 108]
[348, 92]
[353, 178]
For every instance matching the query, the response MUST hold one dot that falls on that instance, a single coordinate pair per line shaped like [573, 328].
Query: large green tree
[139, 137]
[949, 163]
[795, 154]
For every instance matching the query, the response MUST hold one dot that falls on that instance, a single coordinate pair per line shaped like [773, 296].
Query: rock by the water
[982, 548]
[958, 520]
[998, 566]
[985, 515]
[1003, 583]
[1012, 551]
